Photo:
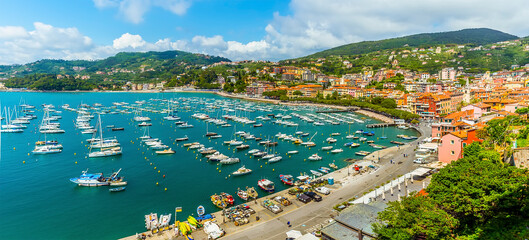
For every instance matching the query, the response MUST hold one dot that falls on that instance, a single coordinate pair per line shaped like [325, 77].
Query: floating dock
[351, 109]
[379, 125]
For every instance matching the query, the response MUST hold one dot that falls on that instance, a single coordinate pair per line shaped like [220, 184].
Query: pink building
[513, 107]
[479, 109]
[452, 144]
[450, 148]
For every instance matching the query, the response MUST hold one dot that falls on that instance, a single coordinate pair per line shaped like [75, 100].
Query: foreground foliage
[476, 197]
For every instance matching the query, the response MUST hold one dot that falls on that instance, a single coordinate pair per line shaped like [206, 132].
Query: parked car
[323, 190]
[314, 196]
[419, 161]
[303, 198]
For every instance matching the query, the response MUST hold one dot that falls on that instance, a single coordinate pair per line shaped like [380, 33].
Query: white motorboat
[242, 171]
[45, 150]
[275, 159]
[315, 157]
[338, 150]
[106, 152]
[228, 161]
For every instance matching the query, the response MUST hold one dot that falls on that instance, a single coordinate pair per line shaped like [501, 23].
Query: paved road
[316, 213]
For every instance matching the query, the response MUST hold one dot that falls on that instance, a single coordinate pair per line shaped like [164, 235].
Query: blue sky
[238, 29]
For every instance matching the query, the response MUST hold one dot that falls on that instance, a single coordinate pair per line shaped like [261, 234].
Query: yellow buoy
[273, 170]
[24, 162]
[151, 163]
[261, 166]
[158, 171]
[75, 162]
[74, 154]
[28, 154]
[165, 189]
[220, 171]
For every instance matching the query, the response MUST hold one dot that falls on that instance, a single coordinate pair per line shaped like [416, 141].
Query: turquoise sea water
[37, 200]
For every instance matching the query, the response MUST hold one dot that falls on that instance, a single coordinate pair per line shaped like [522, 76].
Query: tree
[479, 191]
[297, 93]
[476, 197]
[228, 87]
[335, 95]
[522, 110]
[377, 100]
[413, 217]
[388, 103]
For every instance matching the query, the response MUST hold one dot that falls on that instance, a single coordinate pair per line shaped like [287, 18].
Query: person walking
[288, 223]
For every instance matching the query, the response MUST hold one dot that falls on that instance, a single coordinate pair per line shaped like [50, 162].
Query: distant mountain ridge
[478, 36]
[125, 60]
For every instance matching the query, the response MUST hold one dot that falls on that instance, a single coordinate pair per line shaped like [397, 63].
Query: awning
[294, 234]
[420, 171]
[302, 178]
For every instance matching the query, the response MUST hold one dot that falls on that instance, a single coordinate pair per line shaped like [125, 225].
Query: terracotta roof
[460, 114]
[494, 100]
[460, 134]
[506, 113]
[482, 105]
[460, 124]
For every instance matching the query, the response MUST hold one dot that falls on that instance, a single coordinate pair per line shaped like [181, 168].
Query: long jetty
[351, 109]
[378, 125]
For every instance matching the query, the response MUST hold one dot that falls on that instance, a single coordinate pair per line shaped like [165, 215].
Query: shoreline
[343, 180]
[341, 177]
[376, 116]
[228, 95]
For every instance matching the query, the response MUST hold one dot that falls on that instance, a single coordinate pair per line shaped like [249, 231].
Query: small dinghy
[118, 189]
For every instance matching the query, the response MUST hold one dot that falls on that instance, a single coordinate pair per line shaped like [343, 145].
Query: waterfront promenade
[306, 217]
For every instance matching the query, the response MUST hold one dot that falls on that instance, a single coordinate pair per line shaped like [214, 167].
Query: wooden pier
[351, 109]
[379, 125]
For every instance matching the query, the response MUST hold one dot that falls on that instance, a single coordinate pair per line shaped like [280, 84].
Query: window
[438, 134]
[452, 152]
[451, 141]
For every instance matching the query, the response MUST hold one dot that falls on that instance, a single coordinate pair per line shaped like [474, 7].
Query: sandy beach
[375, 116]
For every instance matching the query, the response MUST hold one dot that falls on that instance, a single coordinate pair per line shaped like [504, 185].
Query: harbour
[158, 183]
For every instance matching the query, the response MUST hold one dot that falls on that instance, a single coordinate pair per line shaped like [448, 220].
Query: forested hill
[477, 36]
[130, 61]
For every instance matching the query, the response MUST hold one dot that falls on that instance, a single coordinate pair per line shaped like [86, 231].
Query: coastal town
[457, 114]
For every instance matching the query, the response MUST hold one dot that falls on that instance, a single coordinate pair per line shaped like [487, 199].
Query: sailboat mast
[100, 129]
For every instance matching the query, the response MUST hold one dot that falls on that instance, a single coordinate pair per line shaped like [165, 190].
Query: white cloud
[134, 10]
[128, 40]
[215, 41]
[315, 25]
[10, 32]
[105, 3]
[44, 41]
[178, 7]
[311, 26]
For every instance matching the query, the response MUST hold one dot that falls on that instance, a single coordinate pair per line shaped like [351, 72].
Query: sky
[31, 30]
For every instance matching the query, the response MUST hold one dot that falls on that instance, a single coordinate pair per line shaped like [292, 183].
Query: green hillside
[133, 61]
[477, 36]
